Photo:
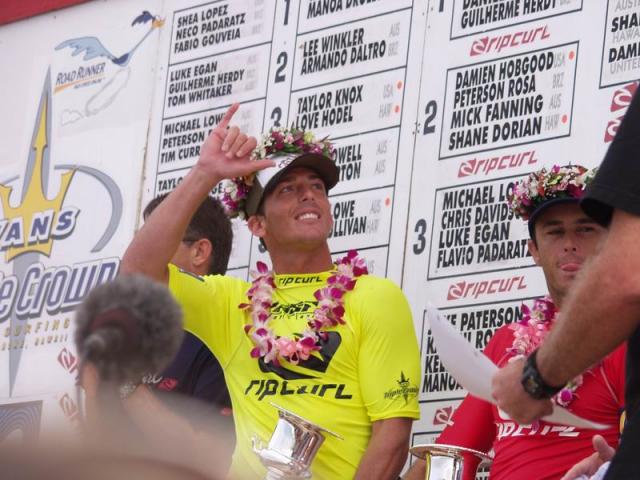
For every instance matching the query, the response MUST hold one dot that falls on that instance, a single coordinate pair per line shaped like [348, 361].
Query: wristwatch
[533, 382]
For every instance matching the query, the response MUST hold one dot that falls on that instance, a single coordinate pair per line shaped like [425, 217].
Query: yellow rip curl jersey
[366, 370]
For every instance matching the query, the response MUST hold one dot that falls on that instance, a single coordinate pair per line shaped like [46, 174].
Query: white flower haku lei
[544, 185]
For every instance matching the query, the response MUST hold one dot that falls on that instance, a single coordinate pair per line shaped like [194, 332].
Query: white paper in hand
[473, 369]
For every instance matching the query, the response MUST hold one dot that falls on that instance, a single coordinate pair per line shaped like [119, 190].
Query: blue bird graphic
[93, 48]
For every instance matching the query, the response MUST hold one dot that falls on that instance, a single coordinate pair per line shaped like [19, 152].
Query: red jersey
[542, 450]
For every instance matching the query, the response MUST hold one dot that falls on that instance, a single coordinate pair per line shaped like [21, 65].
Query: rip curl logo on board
[68, 360]
[620, 101]
[99, 66]
[464, 289]
[443, 416]
[484, 166]
[497, 43]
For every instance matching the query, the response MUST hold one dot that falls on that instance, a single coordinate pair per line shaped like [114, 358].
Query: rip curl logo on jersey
[318, 362]
[508, 40]
[297, 280]
[620, 102]
[443, 416]
[464, 289]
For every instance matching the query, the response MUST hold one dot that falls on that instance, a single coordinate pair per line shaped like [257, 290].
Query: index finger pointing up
[228, 116]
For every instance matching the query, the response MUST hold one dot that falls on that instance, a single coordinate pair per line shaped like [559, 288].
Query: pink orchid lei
[544, 185]
[329, 312]
[530, 332]
[277, 141]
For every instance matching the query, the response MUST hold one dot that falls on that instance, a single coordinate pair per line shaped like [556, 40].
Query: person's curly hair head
[127, 328]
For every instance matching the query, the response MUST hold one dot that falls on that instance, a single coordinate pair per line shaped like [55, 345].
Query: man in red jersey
[562, 239]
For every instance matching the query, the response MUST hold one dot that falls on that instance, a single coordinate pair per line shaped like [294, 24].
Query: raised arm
[224, 154]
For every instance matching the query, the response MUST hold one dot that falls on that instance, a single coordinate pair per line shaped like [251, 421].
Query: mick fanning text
[498, 102]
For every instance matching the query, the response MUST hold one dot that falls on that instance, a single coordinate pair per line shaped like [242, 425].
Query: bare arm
[224, 154]
[387, 451]
[602, 310]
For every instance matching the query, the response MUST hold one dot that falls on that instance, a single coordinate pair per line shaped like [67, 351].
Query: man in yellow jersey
[325, 341]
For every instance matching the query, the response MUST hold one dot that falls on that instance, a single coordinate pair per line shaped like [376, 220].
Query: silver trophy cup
[292, 447]
[445, 462]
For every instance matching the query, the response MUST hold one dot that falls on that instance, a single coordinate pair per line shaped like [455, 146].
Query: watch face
[530, 385]
[531, 379]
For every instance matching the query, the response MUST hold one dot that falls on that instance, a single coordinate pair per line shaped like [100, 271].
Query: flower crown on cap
[276, 142]
[545, 185]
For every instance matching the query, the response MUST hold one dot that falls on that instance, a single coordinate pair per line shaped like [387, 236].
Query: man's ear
[257, 225]
[533, 250]
[200, 252]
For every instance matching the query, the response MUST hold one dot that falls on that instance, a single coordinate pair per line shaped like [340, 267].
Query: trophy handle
[292, 447]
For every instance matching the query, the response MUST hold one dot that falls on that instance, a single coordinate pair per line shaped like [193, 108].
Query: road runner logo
[498, 42]
[102, 65]
[93, 48]
[619, 103]
[464, 289]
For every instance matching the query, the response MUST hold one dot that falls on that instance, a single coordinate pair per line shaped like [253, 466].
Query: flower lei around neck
[329, 312]
[530, 332]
